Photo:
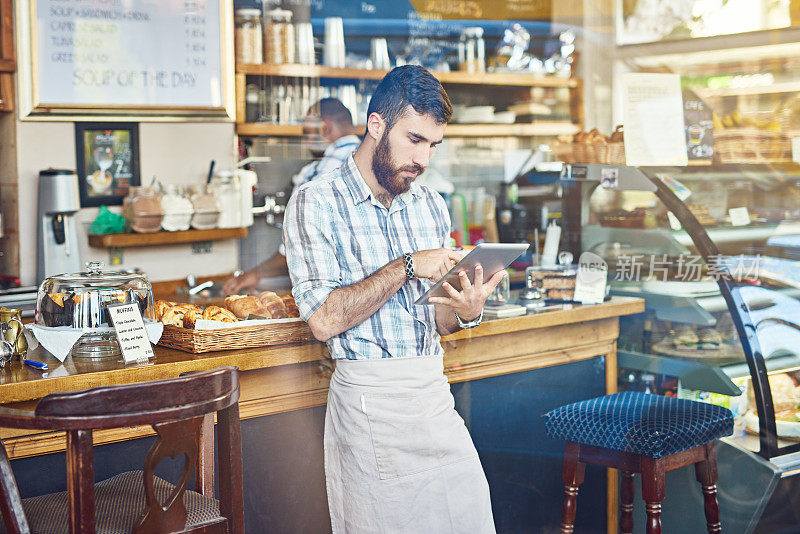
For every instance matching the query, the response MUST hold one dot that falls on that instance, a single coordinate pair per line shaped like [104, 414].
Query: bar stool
[640, 433]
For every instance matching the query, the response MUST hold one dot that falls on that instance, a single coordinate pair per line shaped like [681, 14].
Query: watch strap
[470, 324]
[408, 264]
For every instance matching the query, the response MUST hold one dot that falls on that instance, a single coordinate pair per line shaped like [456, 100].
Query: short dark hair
[333, 109]
[410, 85]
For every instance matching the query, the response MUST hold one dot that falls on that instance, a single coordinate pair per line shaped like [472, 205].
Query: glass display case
[715, 251]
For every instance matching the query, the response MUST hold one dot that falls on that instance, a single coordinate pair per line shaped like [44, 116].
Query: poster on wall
[108, 161]
[115, 57]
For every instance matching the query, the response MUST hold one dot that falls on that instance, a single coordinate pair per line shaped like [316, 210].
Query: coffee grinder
[57, 239]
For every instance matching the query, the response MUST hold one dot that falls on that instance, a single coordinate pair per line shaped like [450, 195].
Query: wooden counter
[293, 377]
[289, 377]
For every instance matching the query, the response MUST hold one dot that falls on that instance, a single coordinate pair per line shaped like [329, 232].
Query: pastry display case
[79, 302]
[709, 248]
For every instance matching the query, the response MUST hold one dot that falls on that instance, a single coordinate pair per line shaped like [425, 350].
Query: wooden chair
[181, 412]
[640, 433]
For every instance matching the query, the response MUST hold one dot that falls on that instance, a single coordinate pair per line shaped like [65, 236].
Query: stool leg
[626, 504]
[653, 492]
[572, 476]
[706, 472]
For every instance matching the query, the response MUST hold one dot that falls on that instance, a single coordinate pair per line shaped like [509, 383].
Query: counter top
[20, 383]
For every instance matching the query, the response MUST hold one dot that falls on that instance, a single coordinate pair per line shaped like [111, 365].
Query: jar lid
[280, 15]
[95, 274]
[248, 13]
[55, 172]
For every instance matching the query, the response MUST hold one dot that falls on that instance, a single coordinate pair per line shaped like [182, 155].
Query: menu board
[128, 53]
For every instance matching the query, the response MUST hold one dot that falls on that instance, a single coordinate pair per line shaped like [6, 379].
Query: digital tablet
[492, 257]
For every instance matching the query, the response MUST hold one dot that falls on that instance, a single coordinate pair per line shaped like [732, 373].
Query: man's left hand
[468, 302]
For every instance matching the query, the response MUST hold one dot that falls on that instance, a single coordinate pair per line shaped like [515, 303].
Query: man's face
[404, 152]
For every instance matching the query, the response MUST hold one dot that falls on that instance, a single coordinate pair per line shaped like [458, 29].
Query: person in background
[363, 244]
[329, 122]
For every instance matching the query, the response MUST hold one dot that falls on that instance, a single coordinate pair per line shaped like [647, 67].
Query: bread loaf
[291, 306]
[274, 305]
[244, 306]
[215, 313]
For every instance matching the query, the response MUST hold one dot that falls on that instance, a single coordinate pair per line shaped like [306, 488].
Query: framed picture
[107, 154]
[123, 61]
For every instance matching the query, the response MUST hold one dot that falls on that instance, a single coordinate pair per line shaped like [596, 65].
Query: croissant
[291, 306]
[160, 307]
[274, 305]
[244, 305]
[174, 316]
[215, 313]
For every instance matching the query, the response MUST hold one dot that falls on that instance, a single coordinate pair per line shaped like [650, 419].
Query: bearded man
[363, 243]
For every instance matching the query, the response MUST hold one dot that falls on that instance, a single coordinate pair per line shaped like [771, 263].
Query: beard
[387, 173]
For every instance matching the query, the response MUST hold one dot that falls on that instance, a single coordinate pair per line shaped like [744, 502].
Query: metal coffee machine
[57, 238]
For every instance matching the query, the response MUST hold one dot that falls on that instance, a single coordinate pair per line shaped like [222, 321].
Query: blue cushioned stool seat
[640, 423]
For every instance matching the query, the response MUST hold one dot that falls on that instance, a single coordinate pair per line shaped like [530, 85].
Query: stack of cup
[379, 53]
[333, 55]
[304, 36]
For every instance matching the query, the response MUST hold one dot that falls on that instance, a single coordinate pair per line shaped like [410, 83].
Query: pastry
[709, 339]
[160, 307]
[274, 305]
[244, 306]
[215, 313]
[560, 294]
[686, 337]
[190, 317]
[174, 316]
[291, 306]
[57, 309]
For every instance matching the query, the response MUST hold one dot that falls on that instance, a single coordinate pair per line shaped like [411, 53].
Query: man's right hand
[243, 283]
[434, 264]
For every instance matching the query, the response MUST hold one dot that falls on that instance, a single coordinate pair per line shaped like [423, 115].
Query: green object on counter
[107, 222]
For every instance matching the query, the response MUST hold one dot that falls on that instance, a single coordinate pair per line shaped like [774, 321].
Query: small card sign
[739, 216]
[133, 340]
[590, 284]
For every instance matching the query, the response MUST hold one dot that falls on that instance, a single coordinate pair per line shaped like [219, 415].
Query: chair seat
[119, 501]
[640, 423]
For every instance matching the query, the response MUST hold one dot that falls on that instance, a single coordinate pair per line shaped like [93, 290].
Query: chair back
[181, 411]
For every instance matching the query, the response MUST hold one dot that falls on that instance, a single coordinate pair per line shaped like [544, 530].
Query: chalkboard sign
[131, 57]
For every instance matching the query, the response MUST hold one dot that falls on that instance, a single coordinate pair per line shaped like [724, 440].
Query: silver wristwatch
[471, 324]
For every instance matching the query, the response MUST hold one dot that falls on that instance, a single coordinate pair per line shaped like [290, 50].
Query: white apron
[398, 458]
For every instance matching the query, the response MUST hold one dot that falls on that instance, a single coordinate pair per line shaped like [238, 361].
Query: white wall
[174, 152]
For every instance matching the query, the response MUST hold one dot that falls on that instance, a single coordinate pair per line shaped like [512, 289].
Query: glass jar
[206, 207]
[80, 301]
[278, 36]
[248, 36]
[178, 209]
[225, 185]
[142, 210]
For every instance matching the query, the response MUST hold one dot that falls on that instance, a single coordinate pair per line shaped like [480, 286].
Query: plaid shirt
[332, 159]
[336, 234]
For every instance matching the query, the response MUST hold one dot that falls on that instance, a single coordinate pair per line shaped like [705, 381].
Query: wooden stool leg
[653, 492]
[706, 473]
[626, 504]
[572, 476]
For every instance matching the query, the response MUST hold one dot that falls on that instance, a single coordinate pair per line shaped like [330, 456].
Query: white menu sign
[654, 128]
[132, 337]
[129, 53]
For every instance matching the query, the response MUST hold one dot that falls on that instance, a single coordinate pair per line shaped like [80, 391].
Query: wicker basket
[563, 151]
[241, 337]
[615, 155]
[744, 145]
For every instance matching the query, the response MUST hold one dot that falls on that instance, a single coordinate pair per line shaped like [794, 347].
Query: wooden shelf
[164, 238]
[544, 128]
[488, 78]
